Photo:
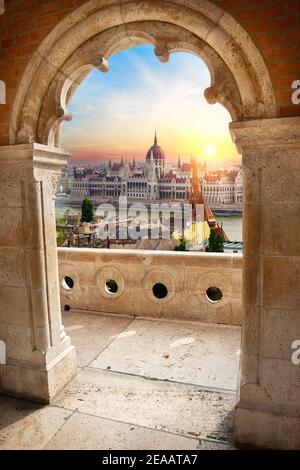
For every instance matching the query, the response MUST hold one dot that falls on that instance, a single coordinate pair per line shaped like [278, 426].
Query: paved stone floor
[141, 384]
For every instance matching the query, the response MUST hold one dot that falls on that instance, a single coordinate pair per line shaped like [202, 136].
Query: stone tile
[84, 432]
[28, 426]
[200, 354]
[176, 408]
[91, 333]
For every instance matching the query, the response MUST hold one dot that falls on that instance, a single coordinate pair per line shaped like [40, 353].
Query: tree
[87, 211]
[215, 242]
[181, 246]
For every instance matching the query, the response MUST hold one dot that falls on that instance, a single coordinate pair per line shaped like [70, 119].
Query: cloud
[120, 109]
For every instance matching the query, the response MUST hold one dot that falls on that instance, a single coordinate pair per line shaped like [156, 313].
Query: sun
[210, 150]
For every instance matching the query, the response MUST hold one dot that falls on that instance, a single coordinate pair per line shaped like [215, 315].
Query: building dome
[156, 151]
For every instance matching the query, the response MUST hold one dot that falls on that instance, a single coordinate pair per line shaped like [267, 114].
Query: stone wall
[272, 24]
[187, 277]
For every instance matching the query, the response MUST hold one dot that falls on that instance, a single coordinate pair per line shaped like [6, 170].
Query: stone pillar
[268, 412]
[40, 359]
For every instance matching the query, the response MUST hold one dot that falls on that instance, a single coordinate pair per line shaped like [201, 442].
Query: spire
[179, 163]
[196, 196]
[155, 138]
[122, 161]
[205, 166]
[109, 164]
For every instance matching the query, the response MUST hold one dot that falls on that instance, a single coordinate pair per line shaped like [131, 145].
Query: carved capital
[101, 64]
[63, 114]
[211, 95]
[265, 138]
[162, 53]
[266, 133]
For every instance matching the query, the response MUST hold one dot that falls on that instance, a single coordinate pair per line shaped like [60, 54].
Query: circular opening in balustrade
[68, 283]
[111, 286]
[214, 294]
[160, 291]
[67, 308]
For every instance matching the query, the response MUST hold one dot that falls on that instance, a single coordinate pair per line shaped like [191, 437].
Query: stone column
[268, 412]
[40, 359]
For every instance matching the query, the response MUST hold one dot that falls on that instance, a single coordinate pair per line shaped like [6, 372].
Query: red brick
[270, 11]
[284, 53]
[28, 49]
[15, 51]
[7, 64]
[292, 6]
[39, 35]
[284, 23]
[245, 14]
[292, 37]
[258, 26]
[230, 4]
[4, 139]
[270, 40]
[22, 38]
[284, 81]
[7, 43]
[281, 68]
[4, 108]
[12, 7]
[10, 84]
[67, 3]
[291, 110]
[48, 7]
[4, 117]
[47, 20]
[284, 96]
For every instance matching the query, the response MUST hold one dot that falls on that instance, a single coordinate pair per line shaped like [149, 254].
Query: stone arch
[100, 28]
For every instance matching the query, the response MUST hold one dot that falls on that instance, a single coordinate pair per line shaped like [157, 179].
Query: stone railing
[177, 285]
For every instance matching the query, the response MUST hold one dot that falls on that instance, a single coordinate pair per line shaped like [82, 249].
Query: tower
[109, 168]
[205, 166]
[158, 157]
[195, 190]
[179, 166]
[152, 178]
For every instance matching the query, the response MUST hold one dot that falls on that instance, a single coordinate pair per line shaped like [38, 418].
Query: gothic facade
[155, 181]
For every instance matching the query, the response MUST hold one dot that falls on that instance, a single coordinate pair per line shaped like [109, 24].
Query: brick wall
[23, 26]
[274, 25]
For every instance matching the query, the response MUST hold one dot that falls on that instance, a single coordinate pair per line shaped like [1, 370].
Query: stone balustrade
[177, 285]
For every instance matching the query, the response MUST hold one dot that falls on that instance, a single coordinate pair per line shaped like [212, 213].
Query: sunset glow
[115, 114]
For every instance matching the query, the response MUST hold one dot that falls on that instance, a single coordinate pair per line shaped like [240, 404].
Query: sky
[116, 113]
